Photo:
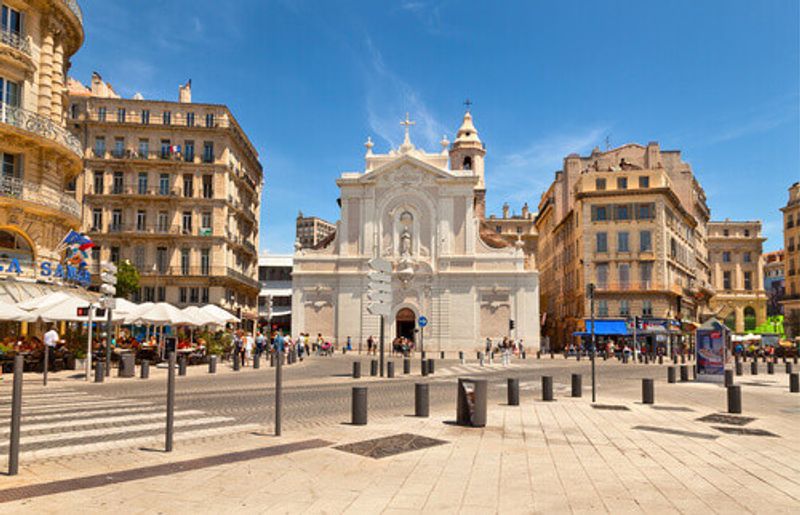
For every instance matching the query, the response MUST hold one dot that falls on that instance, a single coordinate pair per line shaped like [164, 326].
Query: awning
[605, 328]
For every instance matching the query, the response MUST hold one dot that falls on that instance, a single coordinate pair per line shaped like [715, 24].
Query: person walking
[238, 345]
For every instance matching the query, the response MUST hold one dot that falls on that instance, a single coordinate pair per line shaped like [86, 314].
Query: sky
[309, 81]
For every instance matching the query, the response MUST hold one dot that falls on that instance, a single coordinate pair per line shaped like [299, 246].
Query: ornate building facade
[424, 213]
[791, 261]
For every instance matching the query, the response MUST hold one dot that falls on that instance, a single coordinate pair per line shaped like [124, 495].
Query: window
[519, 229]
[188, 185]
[182, 295]
[101, 114]
[187, 222]
[149, 294]
[12, 21]
[163, 184]
[624, 272]
[208, 152]
[161, 293]
[208, 186]
[163, 223]
[747, 233]
[139, 257]
[185, 260]
[622, 212]
[99, 183]
[96, 257]
[188, 156]
[726, 257]
[602, 275]
[644, 182]
[118, 183]
[647, 308]
[73, 111]
[622, 183]
[145, 116]
[194, 295]
[97, 219]
[645, 211]
[498, 229]
[121, 115]
[646, 275]
[746, 257]
[726, 232]
[190, 119]
[204, 295]
[789, 221]
[726, 280]
[166, 118]
[119, 147]
[467, 164]
[622, 242]
[599, 213]
[602, 242]
[645, 241]
[161, 259]
[205, 261]
[624, 308]
[114, 256]
[116, 220]
[11, 165]
[141, 220]
[165, 148]
[144, 148]
[748, 281]
[599, 184]
[602, 308]
[100, 146]
[142, 183]
[210, 120]
[205, 224]
[790, 246]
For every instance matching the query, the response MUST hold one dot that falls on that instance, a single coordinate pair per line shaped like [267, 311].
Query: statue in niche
[406, 220]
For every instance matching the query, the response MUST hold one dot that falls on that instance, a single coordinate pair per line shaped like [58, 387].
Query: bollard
[648, 391]
[578, 356]
[144, 371]
[271, 359]
[16, 416]
[182, 366]
[513, 391]
[739, 368]
[764, 359]
[212, 364]
[683, 359]
[754, 367]
[373, 367]
[770, 368]
[734, 399]
[547, 388]
[660, 359]
[424, 367]
[577, 385]
[670, 374]
[356, 370]
[788, 368]
[431, 366]
[552, 355]
[421, 400]
[794, 382]
[98, 372]
[358, 414]
[170, 402]
[46, 364]
[422, 355]
[461, 356]
[441, 355]
[236, 364]
[480, 358]
[684, 373]
[674, 359]
[390, 369]
[406, 365]
[728, 378]
[624, 359]
[646, 359]
[257, 361]
[278, 390]
[744, 358]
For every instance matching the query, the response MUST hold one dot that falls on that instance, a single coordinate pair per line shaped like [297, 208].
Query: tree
[127, 279]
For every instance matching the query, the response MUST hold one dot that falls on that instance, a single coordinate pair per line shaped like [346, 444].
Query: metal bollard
[683, 358]
[441, 355]
[182, 366]
[406, 365]
[788, 368]
[358, 414]
[547, 388]
[170, 402]
[660, 359]
[770, 368]
[728, 378]
[421, 400]
[212, 364]
[794, 382]
[674, 359]
[356, 370]
[271, 359]
[236, 364]
[144, 370]
[480, 358]
[684, 373]
[577, 385]
[670, 374]
[734, 399]
[431, 366]
[424, 367]
[373, 367]
[552, 355]
[98, 372]
[648, 391]
[461, 356]
[513, 391]
[754, 367]
[257, 361]
[390, 369]
[739, 368]
[646, 359]
[16, 416]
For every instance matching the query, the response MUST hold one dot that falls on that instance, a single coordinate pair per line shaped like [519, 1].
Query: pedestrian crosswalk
[58, 422]
[473, 369]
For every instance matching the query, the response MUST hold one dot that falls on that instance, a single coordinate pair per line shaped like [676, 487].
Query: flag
[175, 149]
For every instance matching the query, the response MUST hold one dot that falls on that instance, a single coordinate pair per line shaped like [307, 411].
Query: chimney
[185, 93]
[505, 210]
[525, 210]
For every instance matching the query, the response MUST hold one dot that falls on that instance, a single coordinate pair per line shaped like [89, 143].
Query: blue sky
[309, 81]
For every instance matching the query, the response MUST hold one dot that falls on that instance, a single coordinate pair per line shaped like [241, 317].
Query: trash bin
[127, 365]
[471, 404]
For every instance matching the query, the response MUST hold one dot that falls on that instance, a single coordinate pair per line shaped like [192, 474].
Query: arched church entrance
[406, 323]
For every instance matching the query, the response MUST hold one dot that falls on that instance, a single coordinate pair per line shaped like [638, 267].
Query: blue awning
[605, 328]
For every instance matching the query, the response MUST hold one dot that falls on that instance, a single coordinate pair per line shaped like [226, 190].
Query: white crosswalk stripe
[473, 369]
[63, 422]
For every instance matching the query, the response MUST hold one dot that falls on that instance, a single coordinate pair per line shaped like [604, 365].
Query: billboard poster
[711, 349]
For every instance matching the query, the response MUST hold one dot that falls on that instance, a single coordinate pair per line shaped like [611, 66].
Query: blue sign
[423, 321]
[51, 270]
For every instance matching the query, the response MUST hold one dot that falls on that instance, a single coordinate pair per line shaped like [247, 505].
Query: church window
[468, 163]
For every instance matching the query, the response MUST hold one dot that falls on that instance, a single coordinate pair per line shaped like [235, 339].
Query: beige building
[791, 260]
[632, 221]
[175, 188]
[515, 228]
[40, 159]
[774, 281]
[737, 274]
[312, 230]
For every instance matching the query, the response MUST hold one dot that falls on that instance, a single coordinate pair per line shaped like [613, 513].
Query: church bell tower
[467, 153]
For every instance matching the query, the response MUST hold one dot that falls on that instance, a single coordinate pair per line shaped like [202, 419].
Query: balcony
[150, 155]
[40, 126]
[16, 41]
[73, 6]
[16, 188]
[201, 271]
[637, 286]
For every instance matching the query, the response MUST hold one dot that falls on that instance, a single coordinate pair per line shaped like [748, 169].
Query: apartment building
[774, 281]
[791, 260]
[517, 229]
[275, 297]
[632, 221]
[312, 230]
[735, 252]
[175, 188]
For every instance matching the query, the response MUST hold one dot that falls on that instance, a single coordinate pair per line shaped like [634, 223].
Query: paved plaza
[98, 447]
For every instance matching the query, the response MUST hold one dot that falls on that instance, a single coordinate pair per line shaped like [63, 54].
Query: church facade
[425, 213]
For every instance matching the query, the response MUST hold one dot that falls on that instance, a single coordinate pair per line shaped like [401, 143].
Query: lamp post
[590, 290]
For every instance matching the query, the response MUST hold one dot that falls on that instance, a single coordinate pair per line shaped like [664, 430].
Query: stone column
[739, 310]
[45, 74]
[57, 109]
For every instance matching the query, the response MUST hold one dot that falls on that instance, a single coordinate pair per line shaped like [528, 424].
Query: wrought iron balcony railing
[75, 8]
[15, 40]
[39, 125]
[21, 189]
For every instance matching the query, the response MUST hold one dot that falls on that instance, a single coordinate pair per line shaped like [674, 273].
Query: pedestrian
[370, 344]
[248, 348]
[301, 348]
[238, 344]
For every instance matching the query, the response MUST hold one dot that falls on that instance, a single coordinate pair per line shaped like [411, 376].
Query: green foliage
[773, 325]
[127, 279]
[217, 343]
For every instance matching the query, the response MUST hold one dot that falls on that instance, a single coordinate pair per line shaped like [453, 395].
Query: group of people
[504, 345]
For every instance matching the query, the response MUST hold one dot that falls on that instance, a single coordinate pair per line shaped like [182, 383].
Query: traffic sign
[423, 321]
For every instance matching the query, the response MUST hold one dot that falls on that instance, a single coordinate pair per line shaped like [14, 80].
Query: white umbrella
[219, 314]
[124, 308]
[202, 317]
[131, 316]
[57, 306]
[45, 301]
[164, 313]
[15, 314]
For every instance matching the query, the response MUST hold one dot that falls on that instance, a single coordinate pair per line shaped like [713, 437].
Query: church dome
[467, 133]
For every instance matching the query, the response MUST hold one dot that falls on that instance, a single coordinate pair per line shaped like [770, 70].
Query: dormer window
[467, 163]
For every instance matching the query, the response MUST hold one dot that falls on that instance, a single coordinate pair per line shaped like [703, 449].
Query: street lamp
[590, 291]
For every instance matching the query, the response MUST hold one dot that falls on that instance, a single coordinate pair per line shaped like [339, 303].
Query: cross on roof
[467, 103]
[407, 123]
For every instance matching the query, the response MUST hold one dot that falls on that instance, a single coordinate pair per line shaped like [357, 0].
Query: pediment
[406, 169]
